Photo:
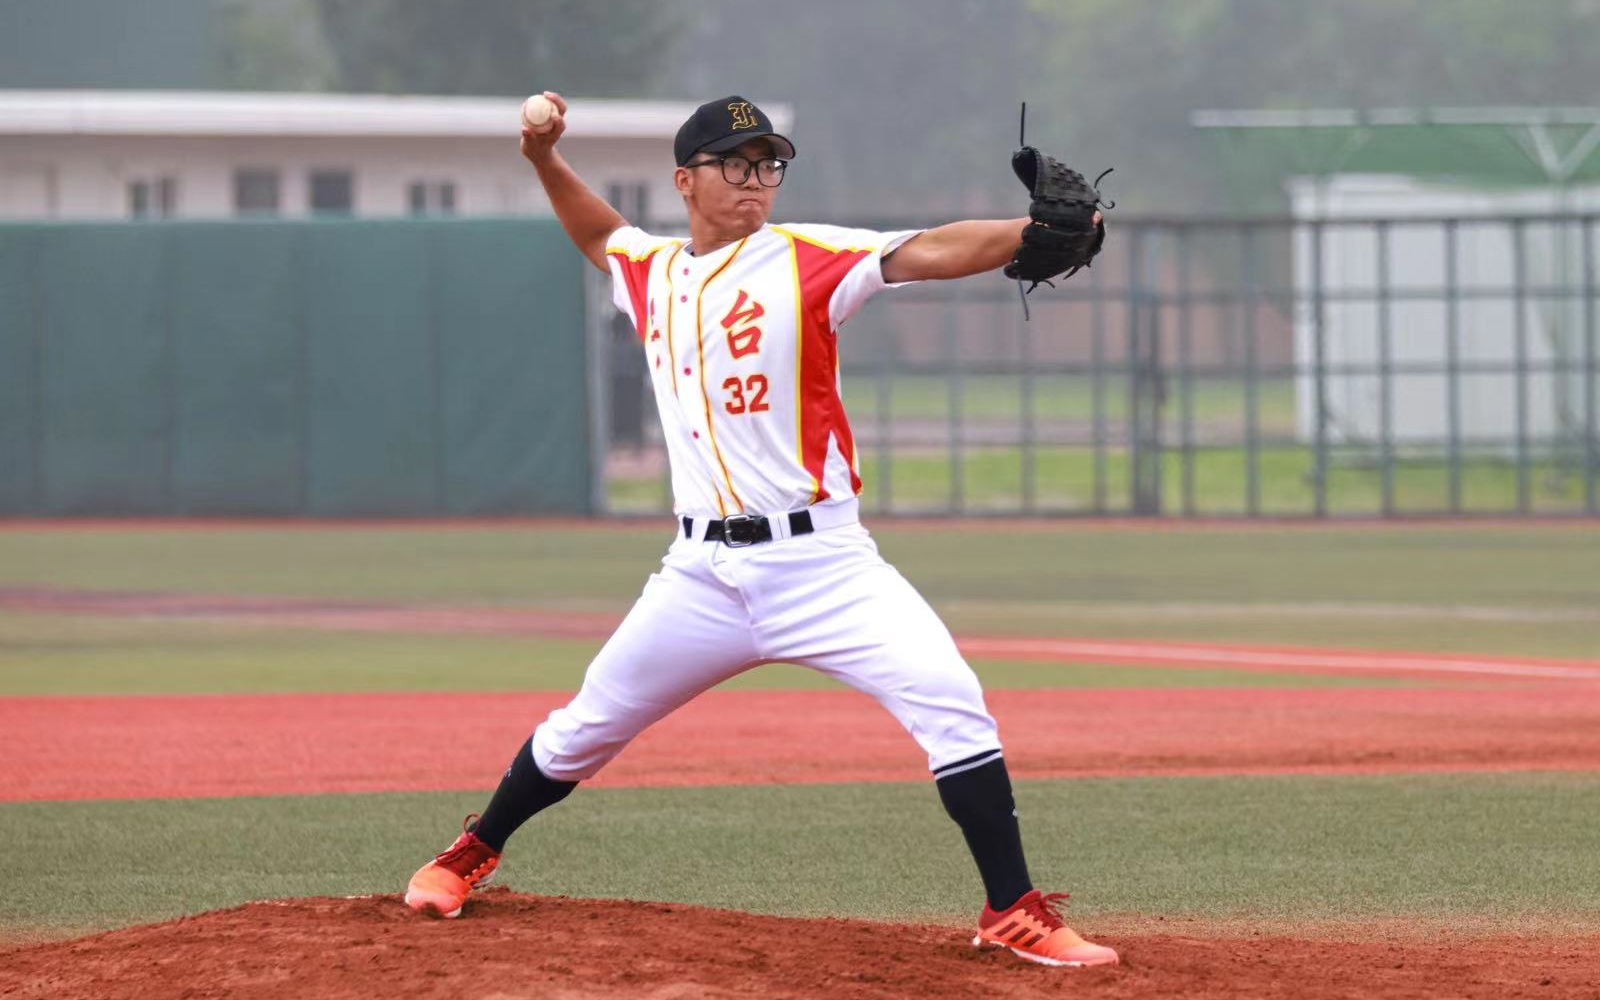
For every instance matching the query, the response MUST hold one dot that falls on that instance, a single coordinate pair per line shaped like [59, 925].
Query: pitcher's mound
[509, 945]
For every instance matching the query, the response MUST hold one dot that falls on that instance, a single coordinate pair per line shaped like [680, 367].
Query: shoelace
[474, 852]
[1047, 909]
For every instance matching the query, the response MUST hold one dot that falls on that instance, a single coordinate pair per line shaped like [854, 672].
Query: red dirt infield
[509, 945]
[1515, 715]
[216, 745]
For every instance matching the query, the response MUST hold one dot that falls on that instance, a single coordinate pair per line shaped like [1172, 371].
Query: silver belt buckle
[727, 530]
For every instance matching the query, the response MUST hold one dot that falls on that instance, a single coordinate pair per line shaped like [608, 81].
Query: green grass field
[1509, 848]
[1208, 482]
[1487, 589]
[1064, 472]
[1498, 850]
[1210, 401]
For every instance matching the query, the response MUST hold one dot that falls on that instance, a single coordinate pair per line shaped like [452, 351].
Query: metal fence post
[1155, 390]
[1144, 411]
[1319, 336]
[1252, 400]
[885, 397]
[953, 374]
[1385, 375]
[1185, 370]
[1452, 349]
[1591, 432]
[1098, 389]
[1520, 300]
[1134, 432]
[1029, 430]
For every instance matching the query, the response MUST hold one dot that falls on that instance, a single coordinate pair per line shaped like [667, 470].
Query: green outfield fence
[1227, 367]
[1233, 367]
[316, 368]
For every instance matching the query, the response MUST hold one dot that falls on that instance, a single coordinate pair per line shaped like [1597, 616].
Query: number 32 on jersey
[749, 394]
[755, 385]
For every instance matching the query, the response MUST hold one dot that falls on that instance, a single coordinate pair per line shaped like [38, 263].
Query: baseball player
[769, 562]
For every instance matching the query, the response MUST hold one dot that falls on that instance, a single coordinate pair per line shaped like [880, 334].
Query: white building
[1475, 330]
[198, 155]
[1429, 297]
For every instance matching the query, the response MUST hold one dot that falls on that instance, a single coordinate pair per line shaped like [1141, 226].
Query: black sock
[979, 800]
[523, 791]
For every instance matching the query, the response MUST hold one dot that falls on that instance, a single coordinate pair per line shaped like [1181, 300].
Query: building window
[256, 191]
[432, 197]
[632, 202]
[153, 198]
[332, 192]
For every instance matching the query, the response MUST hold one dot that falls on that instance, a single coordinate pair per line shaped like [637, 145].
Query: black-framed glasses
[736, 169]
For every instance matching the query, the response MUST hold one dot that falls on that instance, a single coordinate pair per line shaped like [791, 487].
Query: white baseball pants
[825, 600]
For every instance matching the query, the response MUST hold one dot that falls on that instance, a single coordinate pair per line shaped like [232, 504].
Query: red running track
[233, 745]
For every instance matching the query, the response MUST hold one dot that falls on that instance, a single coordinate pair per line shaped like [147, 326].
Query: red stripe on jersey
[636, 275]
[819, 272]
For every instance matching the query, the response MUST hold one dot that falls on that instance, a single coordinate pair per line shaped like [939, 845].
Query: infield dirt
[509, 945]
[227, 745]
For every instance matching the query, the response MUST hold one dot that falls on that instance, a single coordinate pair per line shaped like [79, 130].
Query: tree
[581, 47]
[270, 45]
[1138, 68]
[903, 109]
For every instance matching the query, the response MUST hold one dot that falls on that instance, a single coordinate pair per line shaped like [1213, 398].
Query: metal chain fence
[1217, 367]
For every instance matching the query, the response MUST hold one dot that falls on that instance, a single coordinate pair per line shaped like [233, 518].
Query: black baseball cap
[721, 125]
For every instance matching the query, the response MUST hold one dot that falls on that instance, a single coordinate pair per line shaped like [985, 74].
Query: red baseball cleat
[1032, 929]
[440, 887]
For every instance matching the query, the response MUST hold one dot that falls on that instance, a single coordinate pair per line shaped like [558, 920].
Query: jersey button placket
[684, 318]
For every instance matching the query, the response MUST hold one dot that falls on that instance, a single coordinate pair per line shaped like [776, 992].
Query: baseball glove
[1063, 236]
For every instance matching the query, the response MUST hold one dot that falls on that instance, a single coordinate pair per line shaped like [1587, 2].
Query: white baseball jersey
[742, 348]
[741, 344]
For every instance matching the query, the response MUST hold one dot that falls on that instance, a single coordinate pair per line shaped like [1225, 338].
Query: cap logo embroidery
[744, 115]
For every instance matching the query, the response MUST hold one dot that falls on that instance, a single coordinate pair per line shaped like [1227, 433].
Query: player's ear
[683, 180]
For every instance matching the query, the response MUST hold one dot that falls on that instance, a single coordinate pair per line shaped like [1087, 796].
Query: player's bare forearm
[955, 250]
[587, 218]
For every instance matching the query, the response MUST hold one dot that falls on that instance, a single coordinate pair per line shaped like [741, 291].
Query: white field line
[1285, 609]
[1234, 656]
[507, 621]
[526, 621]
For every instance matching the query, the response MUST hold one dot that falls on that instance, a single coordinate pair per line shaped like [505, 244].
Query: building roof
[1507, 145]
[231, 113]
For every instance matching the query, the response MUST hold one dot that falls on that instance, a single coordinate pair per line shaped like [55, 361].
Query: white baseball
[536, 112]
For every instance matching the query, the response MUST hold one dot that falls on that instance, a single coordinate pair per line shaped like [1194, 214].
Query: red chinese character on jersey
[744, 337]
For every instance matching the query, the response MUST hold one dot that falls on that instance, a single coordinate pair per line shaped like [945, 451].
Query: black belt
[747, 529]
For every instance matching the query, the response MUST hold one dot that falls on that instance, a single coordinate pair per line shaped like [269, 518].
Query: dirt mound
[512, 946]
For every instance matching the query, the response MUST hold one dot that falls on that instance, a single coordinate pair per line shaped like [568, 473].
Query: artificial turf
[68, 655]
[1513, 851]
[1486, 589]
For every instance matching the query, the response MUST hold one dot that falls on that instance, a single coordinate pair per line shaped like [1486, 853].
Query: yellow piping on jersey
[646, 254]
[672, 354]
[855, 446]
[818, 243]
[700, 343]
[799, 365]
[672, 367]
